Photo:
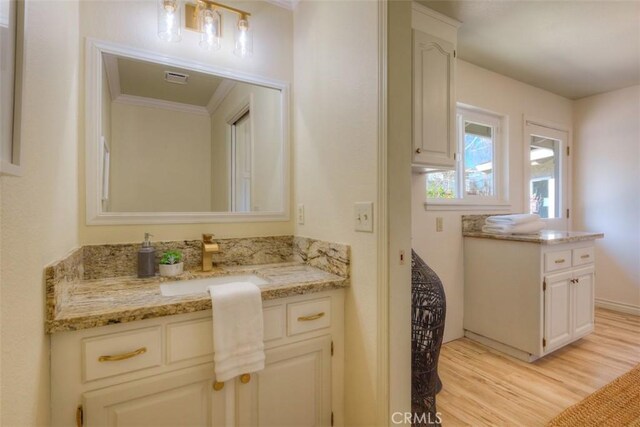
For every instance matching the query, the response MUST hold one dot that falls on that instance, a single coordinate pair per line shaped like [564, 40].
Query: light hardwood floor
[482, 386]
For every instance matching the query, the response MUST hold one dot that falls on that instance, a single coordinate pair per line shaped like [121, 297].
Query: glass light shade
[210, 26]
[244, 39]
[169, 20]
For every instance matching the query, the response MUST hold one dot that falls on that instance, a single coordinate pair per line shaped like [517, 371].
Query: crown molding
[285, 4]
[159, 103]
[219, 95]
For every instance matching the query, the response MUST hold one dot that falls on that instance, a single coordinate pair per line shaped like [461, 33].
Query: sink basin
[185, 287]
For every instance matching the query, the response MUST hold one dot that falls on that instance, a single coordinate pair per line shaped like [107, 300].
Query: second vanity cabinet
[528, 299]
[159, 372]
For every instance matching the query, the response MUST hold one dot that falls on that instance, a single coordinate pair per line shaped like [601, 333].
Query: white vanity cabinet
[434, 101]
[528, 299]
[159, 372]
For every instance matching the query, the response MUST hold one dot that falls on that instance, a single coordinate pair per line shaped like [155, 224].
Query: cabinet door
[294, 389]
[434, 142]
[181, 398]
[557, 311]
[583, 301]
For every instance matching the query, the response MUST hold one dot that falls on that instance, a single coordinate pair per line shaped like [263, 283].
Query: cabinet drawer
[582, 256]
[308, 316]
[557, 260]
[116, 354]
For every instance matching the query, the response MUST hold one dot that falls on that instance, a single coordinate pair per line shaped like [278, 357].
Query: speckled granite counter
[545, 237]
[472, 226]
[77, 300]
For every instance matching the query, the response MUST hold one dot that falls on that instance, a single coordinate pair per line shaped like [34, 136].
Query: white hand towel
[525, 228]
[513, 219]
[238, 343]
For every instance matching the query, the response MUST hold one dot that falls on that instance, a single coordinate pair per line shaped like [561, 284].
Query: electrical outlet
[300, 214]
[439, 224]
[364, 217]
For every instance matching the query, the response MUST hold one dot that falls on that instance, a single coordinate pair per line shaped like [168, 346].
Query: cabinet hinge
[79, 416]
[454, 53]
[567, 213]
[331, 417]
[332, 348]
[568, 151]
[544, 342]
[544, 285]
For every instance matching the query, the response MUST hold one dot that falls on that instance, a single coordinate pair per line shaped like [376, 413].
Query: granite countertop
[98, 302]
[545, 237]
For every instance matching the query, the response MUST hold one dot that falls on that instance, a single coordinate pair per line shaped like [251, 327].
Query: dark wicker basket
[428, 310]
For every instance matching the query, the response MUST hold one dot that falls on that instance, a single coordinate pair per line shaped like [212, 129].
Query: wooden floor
[485, 387]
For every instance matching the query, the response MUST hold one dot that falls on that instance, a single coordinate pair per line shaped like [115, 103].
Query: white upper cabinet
[434, 101]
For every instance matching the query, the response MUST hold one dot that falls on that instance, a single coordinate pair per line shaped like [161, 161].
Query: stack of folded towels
[513, 224]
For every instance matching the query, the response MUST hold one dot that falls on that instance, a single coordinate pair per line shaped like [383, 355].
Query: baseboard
[618, 306]
[504, 348]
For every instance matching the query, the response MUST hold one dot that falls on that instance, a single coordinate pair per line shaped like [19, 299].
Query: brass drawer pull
[218, 385]
[312, 317]
[559, 261]
[245, 378]
[584, 256]
[123, 356]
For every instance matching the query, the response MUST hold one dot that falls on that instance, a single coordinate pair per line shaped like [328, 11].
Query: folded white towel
[238, 343]
[525, 228]
[513, 219]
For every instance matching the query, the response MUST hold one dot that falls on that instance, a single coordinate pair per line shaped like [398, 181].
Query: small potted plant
[171, 263]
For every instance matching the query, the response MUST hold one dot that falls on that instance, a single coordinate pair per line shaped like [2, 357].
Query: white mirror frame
[93, 148]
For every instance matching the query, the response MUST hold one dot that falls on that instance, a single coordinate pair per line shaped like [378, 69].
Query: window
[479, 172]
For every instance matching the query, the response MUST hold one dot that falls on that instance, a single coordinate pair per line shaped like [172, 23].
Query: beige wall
[160, 160]
[335, 146]
[134, 23]
[606, 179]
[494, 92]
[39, 209]
[266, 192]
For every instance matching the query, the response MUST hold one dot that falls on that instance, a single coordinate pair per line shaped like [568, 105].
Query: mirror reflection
[176, 140]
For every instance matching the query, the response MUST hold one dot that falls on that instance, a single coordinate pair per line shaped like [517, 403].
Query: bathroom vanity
[528, 295]
[124, 354]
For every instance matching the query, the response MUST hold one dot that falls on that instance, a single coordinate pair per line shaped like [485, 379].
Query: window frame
[499, 200]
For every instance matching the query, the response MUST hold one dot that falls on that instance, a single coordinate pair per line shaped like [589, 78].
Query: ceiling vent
[174, 77]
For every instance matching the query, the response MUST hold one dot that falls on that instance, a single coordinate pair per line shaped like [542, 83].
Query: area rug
[616, 404]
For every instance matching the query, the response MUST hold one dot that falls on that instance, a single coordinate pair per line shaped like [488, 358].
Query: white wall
[160, 160]
[606, 198]
[335, 153]
[499, 94]
[266, 119]
[134, 23]
[39, 209]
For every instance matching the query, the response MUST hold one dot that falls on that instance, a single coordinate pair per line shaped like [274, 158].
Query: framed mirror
[176, 141]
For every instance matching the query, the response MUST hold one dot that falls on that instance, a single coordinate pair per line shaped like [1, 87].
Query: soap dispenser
[146, 258]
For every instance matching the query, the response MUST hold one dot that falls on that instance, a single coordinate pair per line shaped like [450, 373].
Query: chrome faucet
[208, 249]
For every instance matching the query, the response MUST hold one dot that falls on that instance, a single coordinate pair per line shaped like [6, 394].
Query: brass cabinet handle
[245, 378]
[584, 256]
[559, 261]
[418, 150]
[123, 356]
[218, 385]
[312, 317]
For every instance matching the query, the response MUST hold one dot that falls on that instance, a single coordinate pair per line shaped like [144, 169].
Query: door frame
[246, 105]
[560, 132]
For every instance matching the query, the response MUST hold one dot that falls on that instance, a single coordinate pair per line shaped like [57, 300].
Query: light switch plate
[364, 217]
[301, 214]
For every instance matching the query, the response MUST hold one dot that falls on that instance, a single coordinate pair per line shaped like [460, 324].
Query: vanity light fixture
[205, 17]
[169, 20]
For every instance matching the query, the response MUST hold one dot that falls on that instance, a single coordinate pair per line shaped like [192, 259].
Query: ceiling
[146, 80]
[574, 48]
